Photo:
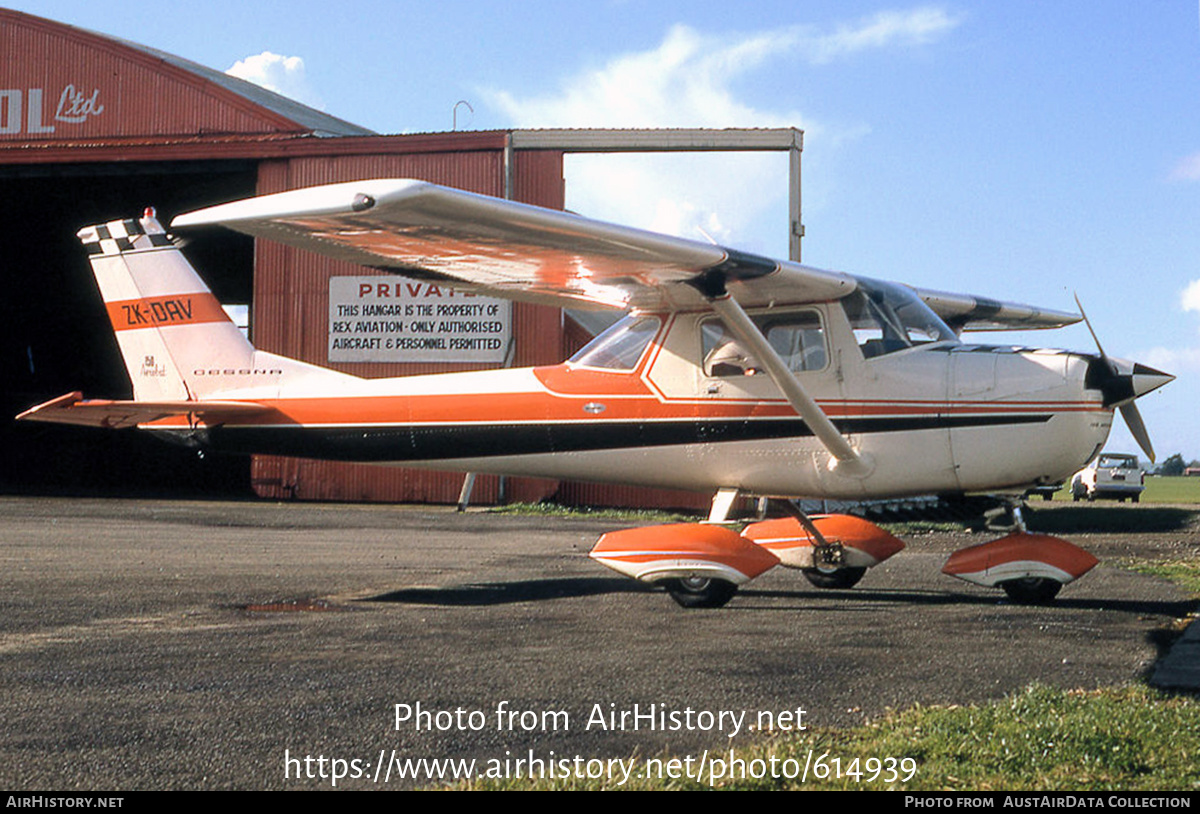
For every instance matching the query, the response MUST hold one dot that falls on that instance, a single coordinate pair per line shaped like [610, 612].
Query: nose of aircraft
[1146, 378]
[1121, 381]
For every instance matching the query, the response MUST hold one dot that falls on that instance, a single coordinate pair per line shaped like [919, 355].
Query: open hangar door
[57, 337]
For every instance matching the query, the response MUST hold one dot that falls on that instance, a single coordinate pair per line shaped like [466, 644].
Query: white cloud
[886, 29]
[685, 81]
[284, 75]
[689, 80]
[1190, 299]
[1187, 169]
[1173, 360]
[1177, 360]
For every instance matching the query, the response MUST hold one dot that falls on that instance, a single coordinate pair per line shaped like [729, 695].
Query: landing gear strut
[829, 559]
[833, 551]
[1031, 590]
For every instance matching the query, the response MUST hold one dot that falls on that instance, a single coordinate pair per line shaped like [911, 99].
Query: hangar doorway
[57, 337]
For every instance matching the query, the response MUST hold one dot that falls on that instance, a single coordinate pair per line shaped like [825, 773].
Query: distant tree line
[1175, 465]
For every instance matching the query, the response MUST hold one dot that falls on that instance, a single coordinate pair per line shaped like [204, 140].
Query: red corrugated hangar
[94, 128]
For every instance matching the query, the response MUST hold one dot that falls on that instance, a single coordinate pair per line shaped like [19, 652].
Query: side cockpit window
[798, 338]
[621, 346]
[887, 318]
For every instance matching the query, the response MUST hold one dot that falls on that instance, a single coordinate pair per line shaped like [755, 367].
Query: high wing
[542, 255]
[72, 408]
[511, 249]
[964, 312]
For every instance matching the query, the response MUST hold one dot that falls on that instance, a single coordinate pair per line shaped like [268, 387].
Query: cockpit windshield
[621, 346]
[887, 318]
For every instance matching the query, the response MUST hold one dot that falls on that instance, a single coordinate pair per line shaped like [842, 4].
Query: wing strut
[847, 461]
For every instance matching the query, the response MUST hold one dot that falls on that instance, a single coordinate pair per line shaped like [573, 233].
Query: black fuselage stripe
[446, 441]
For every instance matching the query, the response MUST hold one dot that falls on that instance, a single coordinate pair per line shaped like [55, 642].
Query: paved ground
[164, 645]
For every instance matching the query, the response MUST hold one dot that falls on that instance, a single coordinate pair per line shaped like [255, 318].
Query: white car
[1112, 475]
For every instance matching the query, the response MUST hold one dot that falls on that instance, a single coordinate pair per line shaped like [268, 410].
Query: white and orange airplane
[730, 373]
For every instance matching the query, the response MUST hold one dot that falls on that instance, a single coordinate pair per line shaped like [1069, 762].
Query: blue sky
[1020, 150]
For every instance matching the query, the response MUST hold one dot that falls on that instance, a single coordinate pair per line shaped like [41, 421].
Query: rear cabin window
[798, 338]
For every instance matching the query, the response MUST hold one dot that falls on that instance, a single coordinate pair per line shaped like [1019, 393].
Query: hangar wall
[298, 325]
[94, 128]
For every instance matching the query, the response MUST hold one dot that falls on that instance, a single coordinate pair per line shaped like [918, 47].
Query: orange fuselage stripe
[552, 408]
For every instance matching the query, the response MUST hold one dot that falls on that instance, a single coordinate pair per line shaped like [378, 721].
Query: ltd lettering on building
[33, 111]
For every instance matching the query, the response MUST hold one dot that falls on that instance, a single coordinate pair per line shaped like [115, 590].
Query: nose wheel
[1031, 568]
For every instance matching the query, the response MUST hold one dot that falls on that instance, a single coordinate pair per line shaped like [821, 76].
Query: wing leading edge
[970, 313]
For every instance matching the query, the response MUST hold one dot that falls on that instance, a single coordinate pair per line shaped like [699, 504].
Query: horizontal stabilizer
[72, 408]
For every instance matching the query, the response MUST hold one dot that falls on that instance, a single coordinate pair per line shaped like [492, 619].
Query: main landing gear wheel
[700, 592]
[1031, 590]
[834, 577]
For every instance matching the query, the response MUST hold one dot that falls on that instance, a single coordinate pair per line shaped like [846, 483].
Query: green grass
[1042, 739]
[1047, 739]
[1082, 518]
[1185, 573]
[1172, 490]
[1158, 490]
[592, 512]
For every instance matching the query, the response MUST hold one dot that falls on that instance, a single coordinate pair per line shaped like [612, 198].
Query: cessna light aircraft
[730, 373]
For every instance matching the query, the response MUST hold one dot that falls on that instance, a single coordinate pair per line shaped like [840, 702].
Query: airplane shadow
[541, 590]
[1175, 609]
[1090, 518]
[503, 593]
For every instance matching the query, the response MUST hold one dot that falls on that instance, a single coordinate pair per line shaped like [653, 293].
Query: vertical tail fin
[177, 341]
[168, 324]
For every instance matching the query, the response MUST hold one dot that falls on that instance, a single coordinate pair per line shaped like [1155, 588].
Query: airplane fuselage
[662, 410]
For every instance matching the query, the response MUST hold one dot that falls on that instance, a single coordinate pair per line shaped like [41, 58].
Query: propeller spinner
[1121, 382]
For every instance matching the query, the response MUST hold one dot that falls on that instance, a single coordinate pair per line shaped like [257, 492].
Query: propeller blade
[1122, 382]
[1133, 420]
[1088, 323]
